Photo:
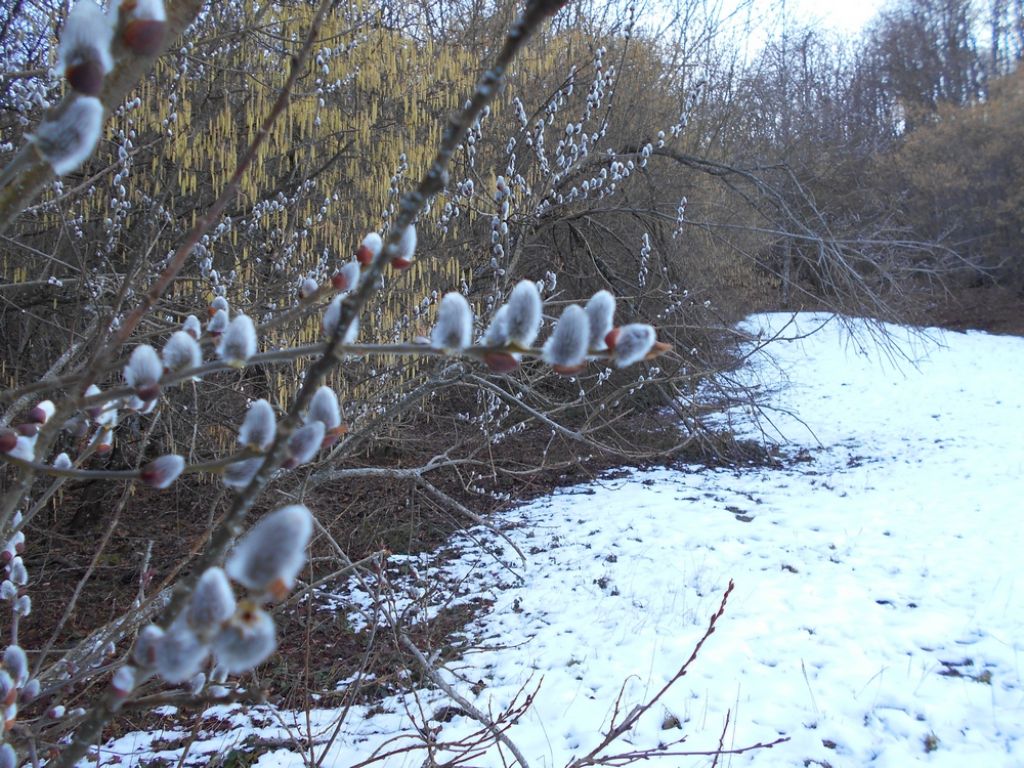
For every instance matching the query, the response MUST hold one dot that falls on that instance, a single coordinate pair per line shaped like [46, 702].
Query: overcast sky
[761, 20]
[842, 15]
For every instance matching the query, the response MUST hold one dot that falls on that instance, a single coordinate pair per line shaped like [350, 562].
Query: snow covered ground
[878, 611]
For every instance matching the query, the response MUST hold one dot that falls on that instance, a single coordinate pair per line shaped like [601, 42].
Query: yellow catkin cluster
[379, 94]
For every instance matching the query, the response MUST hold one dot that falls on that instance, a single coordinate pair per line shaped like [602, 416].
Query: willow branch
[412, 203]
[471, 709]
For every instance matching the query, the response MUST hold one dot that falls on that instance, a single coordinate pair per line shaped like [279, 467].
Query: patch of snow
[878, 614]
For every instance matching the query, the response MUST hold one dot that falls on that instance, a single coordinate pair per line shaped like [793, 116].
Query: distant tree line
[911, 131]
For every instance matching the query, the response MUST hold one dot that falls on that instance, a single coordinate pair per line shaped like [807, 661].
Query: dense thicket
[905, 133]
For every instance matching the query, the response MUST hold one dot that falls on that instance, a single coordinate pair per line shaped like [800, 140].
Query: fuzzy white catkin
[324, 407]
[240, 473]
[24, 448]
[144, 368]
[634, 342]
[163, 471]
[91, 391]
[192, 327]
[601, 316]
[496, 334]
[30, 691]
[144, 9]
[124, 679]
[220, 303]
[87, 36]
[179, 654]
[273, 551]
[332, 316]
[17, 542]
[239, 341]
[304, 443]
[195, 685]
[373, 243]
[19, 574]
[106, 416]
[248, 639]
[145, 650]
[42, 412]
[16, 662]
[181, 352]
[8, 757]
[23, 606]
[259, 426]
[524, 313]
[454, 329]
[407, 243]
[348, 275]
[218, 323]
[567, 346]
[212, 602]
[67, 140]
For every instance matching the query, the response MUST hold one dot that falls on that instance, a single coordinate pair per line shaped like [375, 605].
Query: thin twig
[470, 708]
[618, 729]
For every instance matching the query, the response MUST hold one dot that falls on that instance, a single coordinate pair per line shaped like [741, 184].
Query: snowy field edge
[877, 619]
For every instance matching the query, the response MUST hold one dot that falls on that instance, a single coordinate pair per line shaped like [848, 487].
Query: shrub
[142, 394]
